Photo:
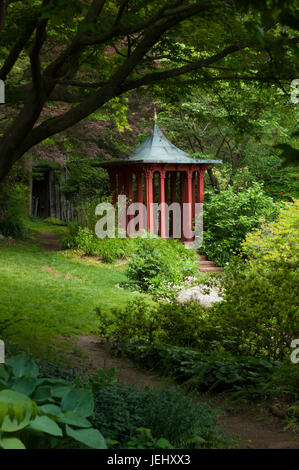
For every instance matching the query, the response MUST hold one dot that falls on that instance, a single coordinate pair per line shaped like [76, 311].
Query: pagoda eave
[155, 162]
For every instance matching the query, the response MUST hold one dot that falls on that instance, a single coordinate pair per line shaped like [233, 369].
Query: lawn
[47, 296]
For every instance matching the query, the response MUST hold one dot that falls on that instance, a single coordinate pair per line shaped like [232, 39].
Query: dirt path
[98, 356]
[258, 431]
[253, 430]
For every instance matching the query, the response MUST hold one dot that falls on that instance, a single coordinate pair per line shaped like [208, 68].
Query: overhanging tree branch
[17, 49]
[156, 76]
[145, 34]
[40, 38]
[113, 87]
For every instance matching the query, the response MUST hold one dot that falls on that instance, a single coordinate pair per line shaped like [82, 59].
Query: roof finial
[155, 114]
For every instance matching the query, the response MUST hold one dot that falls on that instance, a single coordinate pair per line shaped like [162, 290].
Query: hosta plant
[38, 412]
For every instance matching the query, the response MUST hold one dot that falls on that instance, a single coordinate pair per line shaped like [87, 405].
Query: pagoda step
[206, 263]
[210, 269]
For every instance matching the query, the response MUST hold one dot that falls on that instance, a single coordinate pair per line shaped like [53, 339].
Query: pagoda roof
[156, 148]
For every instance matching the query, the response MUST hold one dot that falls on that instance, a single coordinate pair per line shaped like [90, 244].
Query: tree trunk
[214, 181]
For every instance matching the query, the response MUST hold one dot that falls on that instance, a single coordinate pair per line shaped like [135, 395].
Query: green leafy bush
[276, 241]
[37, 412]
[121, 409]
[13, 201]
[110, 249]
[260, 312]
[229, 216]
[136, 321]
[156, 260]
[261, 293]
[169, 323]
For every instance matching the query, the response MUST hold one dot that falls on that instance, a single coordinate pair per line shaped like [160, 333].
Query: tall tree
[89, 52]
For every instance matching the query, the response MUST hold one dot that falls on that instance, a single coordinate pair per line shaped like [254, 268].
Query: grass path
[47, 296]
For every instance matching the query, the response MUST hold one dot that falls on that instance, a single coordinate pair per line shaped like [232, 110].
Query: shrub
[277, 241]
[121, 409]
[110, 249]
[136, 321]
[262, 306]
[169, 323]
[13, 200]
[156, 260]
[40, 412]
[229, 216]
[261, 293]
[53, 221]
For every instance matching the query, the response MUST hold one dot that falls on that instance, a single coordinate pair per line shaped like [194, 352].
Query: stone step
[203, 258]
[206, 263]
[210, 269]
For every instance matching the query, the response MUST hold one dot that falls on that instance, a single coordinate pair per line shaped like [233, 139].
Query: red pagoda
[159, 172]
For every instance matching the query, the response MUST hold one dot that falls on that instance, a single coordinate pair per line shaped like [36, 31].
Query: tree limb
[17, 49]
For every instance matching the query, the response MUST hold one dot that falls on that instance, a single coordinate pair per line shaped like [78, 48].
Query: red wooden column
[121, 191]
[140, 198]
[130, 195]
[149, 198]
[200, 184]
[188, 236]
[183, 195]
[167, 200]
[173, 177]
[162, 176]
[193, 194]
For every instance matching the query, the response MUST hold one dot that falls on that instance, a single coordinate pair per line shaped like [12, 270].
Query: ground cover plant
[242, 377]
[41, 412]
